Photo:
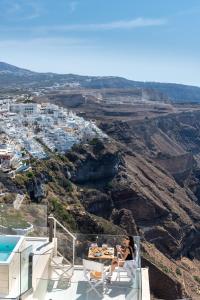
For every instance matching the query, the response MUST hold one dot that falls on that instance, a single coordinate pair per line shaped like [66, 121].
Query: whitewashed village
[26, 129]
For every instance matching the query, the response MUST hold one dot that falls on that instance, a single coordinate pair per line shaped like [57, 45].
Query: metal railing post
[51, 229]
[54, 232]
[73, 251]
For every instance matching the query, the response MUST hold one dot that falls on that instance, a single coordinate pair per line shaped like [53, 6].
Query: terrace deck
[78, 288]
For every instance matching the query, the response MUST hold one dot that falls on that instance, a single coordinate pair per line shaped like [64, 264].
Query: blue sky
[148, 40]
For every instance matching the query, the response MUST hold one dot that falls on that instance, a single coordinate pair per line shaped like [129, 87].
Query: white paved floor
[78, 290]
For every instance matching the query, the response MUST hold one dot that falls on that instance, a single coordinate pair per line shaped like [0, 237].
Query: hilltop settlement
[29, 129]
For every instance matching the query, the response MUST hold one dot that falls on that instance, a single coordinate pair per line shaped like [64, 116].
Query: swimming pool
[7, 246]
[10, 263]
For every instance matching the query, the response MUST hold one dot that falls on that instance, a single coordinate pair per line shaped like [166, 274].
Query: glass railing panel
[41, 268]
[65, 245]
[50, 273]
[85, 241]
[25, 220]
[36, 215]
[26, 264]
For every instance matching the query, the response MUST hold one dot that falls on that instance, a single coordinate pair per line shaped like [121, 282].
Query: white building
[8, 158]
[24, 108]
[56, 127]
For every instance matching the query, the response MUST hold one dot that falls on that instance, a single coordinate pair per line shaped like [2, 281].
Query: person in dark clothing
[125, 252]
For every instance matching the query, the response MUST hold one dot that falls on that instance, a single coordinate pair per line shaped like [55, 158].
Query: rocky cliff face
[96, 168]
[162, 186]
[143, 196]
[144, 181]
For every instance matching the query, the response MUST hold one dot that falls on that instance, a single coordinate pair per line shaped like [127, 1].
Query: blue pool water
[7, 245]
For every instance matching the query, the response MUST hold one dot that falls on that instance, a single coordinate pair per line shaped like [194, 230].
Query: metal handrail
[56, 222]
[65, 229]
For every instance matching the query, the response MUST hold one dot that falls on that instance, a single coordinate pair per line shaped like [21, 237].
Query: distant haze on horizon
[139, 40]
[97, 75]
